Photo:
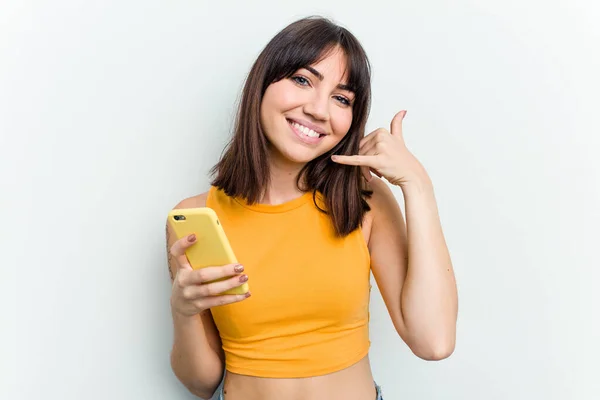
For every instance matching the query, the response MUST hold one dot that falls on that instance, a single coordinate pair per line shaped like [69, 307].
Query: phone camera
[179, 217]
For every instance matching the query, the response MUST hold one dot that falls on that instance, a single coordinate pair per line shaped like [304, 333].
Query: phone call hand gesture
[384, 153]
[193, 290]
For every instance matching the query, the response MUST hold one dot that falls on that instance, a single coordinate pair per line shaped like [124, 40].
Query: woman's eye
[343, 100]
[300, 80]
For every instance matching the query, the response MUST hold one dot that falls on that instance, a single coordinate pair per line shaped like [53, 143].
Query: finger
[373, 135]
[194, 292]
[396, 125]
[369, 149]
[365, 143]
[366, 139]
[369, 161]
[178, 250]
[366, 150]
[366, 172]
[209, 274]
[215, 301]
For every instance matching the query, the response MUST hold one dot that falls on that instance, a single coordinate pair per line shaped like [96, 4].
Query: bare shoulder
[381, 198]
[193, 202]
[382, 194]
[383, 206]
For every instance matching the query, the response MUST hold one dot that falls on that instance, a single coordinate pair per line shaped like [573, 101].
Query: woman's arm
[197, 356]
[410, 262]
[413, 269]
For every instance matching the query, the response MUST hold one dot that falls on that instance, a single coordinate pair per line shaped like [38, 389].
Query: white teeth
[305, 130]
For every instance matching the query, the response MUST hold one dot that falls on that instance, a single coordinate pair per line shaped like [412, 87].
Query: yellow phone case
[212, 247]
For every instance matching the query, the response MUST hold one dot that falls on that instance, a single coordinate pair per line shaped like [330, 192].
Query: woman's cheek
[342, 123]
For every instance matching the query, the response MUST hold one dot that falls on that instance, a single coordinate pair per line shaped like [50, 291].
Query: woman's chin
[298, 159]
[295, 155]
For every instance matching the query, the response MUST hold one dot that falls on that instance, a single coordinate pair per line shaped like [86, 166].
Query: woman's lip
[302, 137]
[308, 125]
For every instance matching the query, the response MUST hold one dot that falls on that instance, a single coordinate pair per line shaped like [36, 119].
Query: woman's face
[306, 115]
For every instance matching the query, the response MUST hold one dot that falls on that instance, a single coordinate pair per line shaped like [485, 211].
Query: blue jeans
[377, 387]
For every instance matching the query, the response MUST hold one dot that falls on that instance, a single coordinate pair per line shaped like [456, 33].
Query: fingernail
[192, 238]
[238, 268]
[248, 294]
[243, 278]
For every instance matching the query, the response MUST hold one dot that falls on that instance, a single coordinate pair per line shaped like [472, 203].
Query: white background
[111, 112]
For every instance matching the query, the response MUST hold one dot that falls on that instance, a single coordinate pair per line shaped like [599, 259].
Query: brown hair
[243, 170]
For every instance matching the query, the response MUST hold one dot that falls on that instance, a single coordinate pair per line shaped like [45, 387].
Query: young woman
[308, 221]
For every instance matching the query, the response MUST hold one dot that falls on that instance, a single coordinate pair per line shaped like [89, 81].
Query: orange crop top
[309, 310]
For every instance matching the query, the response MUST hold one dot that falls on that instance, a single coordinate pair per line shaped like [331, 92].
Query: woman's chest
[301, 275]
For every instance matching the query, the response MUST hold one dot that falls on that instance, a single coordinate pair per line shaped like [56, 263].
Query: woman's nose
[318, 107]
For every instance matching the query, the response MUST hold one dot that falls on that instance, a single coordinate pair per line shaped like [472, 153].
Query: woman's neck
[282, 185]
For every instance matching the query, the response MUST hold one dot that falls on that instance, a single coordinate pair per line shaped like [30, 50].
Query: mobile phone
[212, 248]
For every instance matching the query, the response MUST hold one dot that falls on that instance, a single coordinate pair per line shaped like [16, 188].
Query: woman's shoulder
[380, 202]
[381, 194]
[193, 202]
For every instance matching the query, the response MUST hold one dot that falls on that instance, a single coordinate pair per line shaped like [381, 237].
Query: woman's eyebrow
[319, 75]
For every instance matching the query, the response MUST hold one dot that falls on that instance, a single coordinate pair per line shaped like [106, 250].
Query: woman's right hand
[191, 294]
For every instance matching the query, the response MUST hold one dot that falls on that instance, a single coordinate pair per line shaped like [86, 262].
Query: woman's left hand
[385, 154]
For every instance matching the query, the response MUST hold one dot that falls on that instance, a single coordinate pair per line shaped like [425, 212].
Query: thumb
[396, 125]
[179, 248]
